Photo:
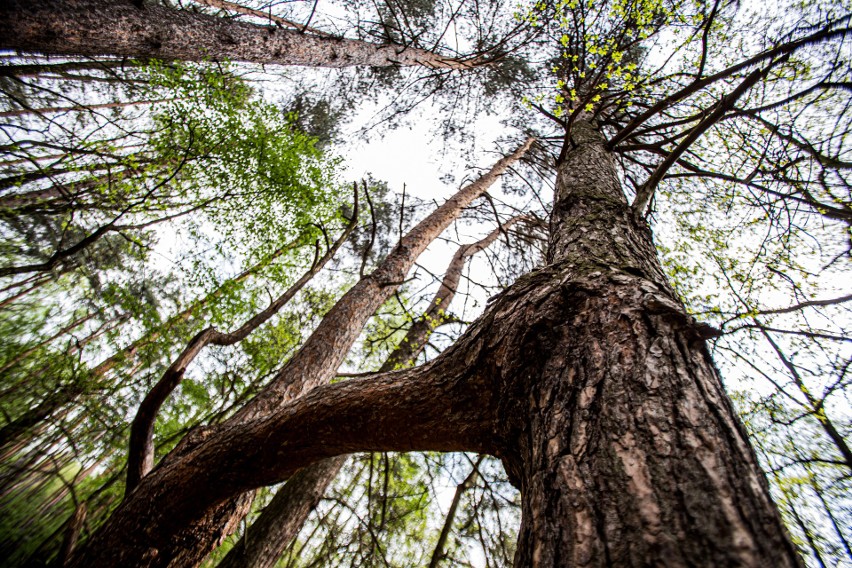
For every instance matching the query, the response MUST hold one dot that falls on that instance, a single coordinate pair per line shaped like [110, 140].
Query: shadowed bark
[370, 414]
[120, 27]
[280, 522]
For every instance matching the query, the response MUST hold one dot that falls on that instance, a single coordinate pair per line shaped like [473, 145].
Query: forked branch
[140, 457]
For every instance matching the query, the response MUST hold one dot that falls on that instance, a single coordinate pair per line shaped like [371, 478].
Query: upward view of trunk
[182, 526]
[586, 378]
[151, 30]
[613, 420]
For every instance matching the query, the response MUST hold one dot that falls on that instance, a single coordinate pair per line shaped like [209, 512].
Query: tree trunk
[120, 27]
[78, 108]
[586, 377]
[438, 553]
[281, 520]
[614, 422]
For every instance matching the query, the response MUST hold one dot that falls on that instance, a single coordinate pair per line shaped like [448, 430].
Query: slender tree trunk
[140, 458]
[438, 553]
[72, 534]
[181, 531]
[36, 70]
[120, 27]
[78, 108]
[280, 522]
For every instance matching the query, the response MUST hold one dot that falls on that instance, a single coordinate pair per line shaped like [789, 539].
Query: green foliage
[209, 168]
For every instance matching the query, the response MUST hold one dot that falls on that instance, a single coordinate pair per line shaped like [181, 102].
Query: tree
[139, 29]
[587, 377]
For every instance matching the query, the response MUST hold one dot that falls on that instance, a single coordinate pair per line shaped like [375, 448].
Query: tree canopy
[184, 251]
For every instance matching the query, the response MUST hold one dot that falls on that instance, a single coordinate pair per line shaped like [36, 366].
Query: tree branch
[101, 27]
[140, 457]
[644, 193]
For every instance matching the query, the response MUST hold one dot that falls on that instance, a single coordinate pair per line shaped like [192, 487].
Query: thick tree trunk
[587, 378]
[120, 27]
[615, 423]
[627, 450]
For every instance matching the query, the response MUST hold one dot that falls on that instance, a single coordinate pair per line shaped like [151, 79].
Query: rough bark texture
[620, 436]
[372, 414]
[182, 525]
[615, 423]
[119, 27]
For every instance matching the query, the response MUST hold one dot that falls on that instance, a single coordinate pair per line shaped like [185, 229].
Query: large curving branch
[204, 518]
[279, 523]
[442, 406]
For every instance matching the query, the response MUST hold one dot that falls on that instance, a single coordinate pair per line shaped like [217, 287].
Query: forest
[478, 283]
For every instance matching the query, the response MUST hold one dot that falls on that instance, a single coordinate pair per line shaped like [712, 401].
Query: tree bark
[586, 378]
[120, 27]
[605, 406]
[78, 108]
[615, 423]
[211, 476]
